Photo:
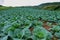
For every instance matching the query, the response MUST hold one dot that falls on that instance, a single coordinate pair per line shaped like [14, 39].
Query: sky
[1, 2]
[25, 2]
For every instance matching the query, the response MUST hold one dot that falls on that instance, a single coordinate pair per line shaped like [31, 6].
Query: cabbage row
[26, 24]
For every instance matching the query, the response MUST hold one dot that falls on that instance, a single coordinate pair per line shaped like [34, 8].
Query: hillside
[50, 6]
[44, 6]
[4, 7]
[54, 6]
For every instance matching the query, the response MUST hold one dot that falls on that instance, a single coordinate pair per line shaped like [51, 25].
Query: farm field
[27, 23]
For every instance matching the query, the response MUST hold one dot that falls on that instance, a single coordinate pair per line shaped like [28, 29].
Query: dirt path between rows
[47, 27]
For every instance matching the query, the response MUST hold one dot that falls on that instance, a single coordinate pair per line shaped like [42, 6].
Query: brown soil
[47, 27]
[53, 38]
[31, 29]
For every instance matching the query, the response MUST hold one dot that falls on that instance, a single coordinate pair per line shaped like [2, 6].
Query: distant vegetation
[45, 6]
[50, 6]
[0, 5]
[4, 7]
